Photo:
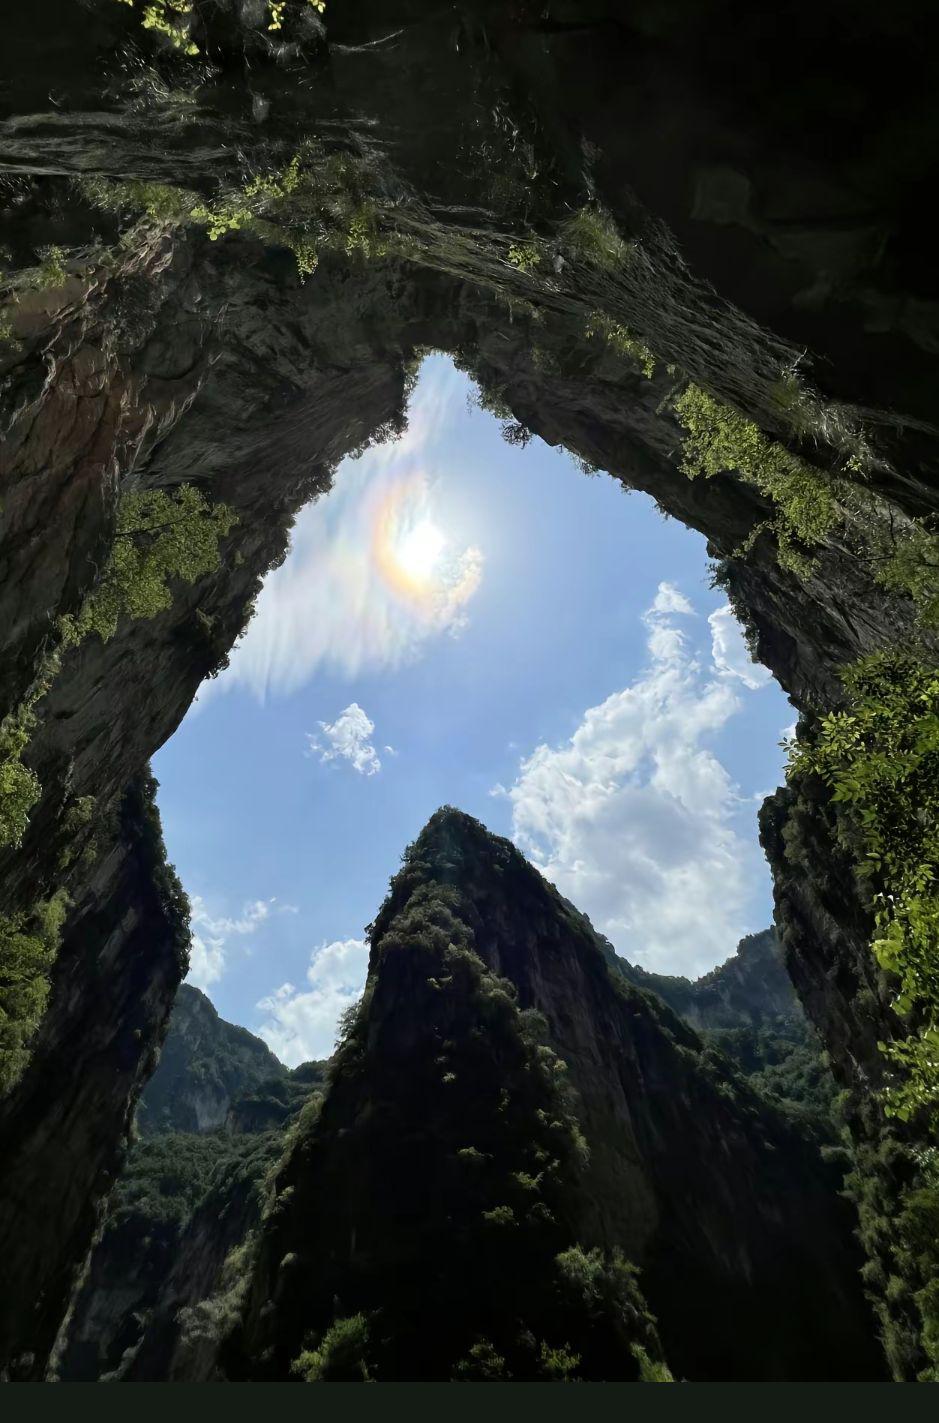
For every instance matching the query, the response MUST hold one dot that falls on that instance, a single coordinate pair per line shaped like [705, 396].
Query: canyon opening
[469, 757]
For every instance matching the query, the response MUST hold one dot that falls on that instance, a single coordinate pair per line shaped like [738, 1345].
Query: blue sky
[462, 621]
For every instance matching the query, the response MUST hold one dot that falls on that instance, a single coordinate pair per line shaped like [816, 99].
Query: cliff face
[154, 357]
[214, 1117]
[205, 1063]
[751, 989]
[745, 1249]
[66, 1127]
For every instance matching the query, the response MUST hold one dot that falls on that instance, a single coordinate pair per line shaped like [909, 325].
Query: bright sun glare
[418, 551]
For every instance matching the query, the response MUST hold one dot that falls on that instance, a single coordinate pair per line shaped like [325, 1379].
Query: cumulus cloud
[730, 652]
[210, 934]
[348, 738]
[341, 601]
[632, 818]
[668, 599]
[301, 1024]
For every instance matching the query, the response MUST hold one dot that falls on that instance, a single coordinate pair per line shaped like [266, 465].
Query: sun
[417, 552]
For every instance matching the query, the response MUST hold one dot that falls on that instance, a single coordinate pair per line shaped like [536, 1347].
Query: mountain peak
[727, 1209]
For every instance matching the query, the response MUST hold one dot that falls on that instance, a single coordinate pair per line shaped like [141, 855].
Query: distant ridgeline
[747, 1007]
[513, 1103]
[211, 1120]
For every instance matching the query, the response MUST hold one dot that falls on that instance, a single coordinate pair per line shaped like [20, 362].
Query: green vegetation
[917, 1253]
[719, 439]
[209, 1068]
[29, 943]
[621, 341]
[525, 255]
[161, 202]
[340, 1357]
[159, 537]
[782, 1061]
[167, 1175]
[591, 235]
[317, 201]
[19, 786]
[486, 1189]
[170, 18]
[173, 19]
[52, 271]
[494, 403]
[895, 1189]
[880, 758]
[907, 561]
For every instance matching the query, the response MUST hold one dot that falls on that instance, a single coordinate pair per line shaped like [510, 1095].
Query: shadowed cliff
[745, 1248]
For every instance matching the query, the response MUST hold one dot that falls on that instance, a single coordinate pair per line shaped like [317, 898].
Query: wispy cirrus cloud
[730, 652]
[211, 933]
[350, 597]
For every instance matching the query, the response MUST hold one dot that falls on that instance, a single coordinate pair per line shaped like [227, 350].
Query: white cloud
[301, 1025]
[206, 961]
[730, 652]
[668, 599]
[210, 935]
[342, 600]
[348, 738]
[632, 818]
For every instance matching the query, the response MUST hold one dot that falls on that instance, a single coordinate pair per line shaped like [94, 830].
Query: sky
[461, 621]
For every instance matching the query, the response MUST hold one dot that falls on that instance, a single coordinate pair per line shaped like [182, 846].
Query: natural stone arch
[194, 361]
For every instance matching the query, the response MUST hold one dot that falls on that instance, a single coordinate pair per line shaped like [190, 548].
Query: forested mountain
[213, 1119]
[506, 1103]
[503, 1102]
[204, 1064]
[751, 989]
[748, 1009]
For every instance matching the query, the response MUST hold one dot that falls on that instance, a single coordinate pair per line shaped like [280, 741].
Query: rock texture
[213, 1119]
[66, 1126]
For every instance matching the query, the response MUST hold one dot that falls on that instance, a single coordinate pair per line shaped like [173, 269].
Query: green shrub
[19, 786]
[591, 235]
[159, 537]
[525, 255]
[720, 439]
[52, 271]
[651, 1370]
[911, 566]
[163, 202]
[621, 341]
[558, 1365]
[29, 943]
[340, 1357]
[482, 1363]
[880, 757]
